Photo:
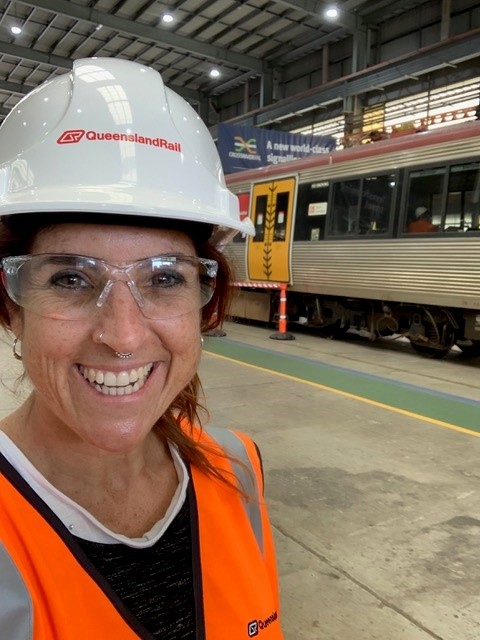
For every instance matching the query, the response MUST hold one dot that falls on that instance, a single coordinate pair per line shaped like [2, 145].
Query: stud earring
[16, 354]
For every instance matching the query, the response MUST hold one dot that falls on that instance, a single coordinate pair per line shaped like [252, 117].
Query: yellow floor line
[346, 394]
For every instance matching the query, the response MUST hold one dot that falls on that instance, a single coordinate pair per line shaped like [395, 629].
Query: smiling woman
[152, 527]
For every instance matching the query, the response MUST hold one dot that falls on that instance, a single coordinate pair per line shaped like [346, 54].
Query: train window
[363, 206]
[312, 204]
[463, 198]
[259, 215]
[345, 204]
[425, 197]
[376, 203]
[281, 213]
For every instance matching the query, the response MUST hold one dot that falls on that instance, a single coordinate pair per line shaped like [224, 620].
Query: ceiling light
[16, 30]
[331, 12]
[214, 73]
[167, 18]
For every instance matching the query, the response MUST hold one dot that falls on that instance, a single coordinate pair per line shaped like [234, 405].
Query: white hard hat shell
[110, 138]
[419, 211]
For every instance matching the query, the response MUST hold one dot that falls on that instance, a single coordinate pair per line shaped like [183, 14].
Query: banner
[250, 147]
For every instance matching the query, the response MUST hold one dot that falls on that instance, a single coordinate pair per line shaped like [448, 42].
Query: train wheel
[436, 353]
[438, 334]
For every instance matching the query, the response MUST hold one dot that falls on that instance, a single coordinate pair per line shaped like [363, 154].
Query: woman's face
[66, 360]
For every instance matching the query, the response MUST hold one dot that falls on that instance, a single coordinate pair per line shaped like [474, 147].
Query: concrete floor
[376, 513]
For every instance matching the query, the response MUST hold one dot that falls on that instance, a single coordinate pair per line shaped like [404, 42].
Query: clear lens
[69, 287]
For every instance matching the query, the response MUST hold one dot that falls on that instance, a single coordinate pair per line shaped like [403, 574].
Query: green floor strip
[432, 404]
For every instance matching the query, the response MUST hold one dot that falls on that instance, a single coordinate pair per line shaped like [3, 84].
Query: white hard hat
[419, 211]
[110, 138]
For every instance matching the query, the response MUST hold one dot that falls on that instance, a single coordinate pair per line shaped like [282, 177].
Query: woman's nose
[123, 324]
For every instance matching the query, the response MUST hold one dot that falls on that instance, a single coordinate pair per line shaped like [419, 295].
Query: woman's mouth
[122, 383]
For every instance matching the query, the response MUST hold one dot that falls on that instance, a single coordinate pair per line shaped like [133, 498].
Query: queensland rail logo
[255, 627]
[72, 136]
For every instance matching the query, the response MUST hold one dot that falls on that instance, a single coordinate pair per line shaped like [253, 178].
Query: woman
[119, 516]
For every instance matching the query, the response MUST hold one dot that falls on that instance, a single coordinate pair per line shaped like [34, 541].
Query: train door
[269, 252]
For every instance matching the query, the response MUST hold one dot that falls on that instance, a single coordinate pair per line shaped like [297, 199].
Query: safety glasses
[71, 287]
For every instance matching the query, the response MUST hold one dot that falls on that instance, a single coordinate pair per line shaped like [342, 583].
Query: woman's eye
[168, 279]
[69, 280]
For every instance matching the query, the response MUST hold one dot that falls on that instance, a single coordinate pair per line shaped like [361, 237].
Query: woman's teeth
[117, 384]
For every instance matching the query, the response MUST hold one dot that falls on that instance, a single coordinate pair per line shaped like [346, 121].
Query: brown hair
[16, 238]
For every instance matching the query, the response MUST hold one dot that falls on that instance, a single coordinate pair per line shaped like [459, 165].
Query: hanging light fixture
[331, 12]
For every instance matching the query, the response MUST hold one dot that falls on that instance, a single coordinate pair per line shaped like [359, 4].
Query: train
[338, 229]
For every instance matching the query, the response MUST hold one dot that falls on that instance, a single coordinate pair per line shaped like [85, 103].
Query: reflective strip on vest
[235, 447]
[16, 611]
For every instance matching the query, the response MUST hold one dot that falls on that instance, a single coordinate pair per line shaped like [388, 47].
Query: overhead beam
[232, 83]
[386, 8]
[13, 87]
[153, 34]
[280, 60]
[438, 56]
[307, 47]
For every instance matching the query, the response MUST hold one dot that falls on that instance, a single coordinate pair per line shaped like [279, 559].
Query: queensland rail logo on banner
[250, 147]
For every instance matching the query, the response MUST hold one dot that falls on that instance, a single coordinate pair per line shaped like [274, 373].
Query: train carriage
[342, 230]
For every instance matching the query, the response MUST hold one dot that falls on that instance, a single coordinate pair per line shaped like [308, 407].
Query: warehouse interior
[343, 69]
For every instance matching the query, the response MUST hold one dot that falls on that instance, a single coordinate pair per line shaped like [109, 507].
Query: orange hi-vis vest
[50, 591]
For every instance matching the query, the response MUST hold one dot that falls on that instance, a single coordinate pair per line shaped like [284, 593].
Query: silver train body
[361, 267]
